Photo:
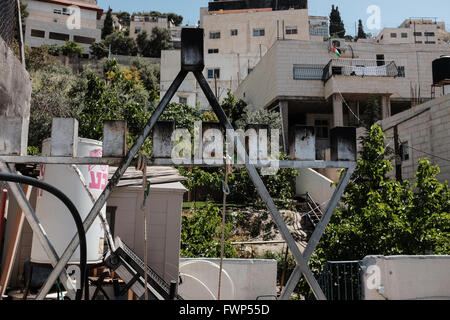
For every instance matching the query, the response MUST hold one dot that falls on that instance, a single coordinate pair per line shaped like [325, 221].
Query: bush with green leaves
[121, 44]
[201, 234]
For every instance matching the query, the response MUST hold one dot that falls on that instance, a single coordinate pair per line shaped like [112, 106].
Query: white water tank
[56, 219]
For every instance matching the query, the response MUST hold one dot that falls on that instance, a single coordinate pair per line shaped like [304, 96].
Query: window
[213, 73]
[37, 33]
[234, 32]
[57, 11]
[259, 32]
[85, 40]
[291, 30]
[182, 100]
[401, 71]
[322, 128]
[405, 151]
[214, 35]
[429, 34]
[308, 72]
[419, 42]
[418, 34]
[210, 51]
[59, 36]
[137, 30]
[65, 12]
[404, 35]
[430, 42]
[380, 60]
[393, 35]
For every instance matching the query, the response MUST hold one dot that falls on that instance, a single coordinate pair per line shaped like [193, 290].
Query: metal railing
[340, 280]
[8, 18]
[359, 67]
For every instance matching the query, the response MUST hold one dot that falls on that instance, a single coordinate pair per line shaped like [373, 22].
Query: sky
[392, 12]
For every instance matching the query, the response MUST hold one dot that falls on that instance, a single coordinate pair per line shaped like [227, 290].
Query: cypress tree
[361, 33]
[337, 28]
[108, 27]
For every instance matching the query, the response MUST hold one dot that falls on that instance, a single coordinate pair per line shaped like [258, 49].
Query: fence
[8, 20]
[340, 280]
[359, 67]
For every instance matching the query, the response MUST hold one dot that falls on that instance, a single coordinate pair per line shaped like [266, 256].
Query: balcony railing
[359, 67]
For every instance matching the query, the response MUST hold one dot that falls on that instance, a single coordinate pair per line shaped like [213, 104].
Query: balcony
[359, 76]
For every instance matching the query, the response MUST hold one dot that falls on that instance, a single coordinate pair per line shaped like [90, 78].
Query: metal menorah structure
[115, 153]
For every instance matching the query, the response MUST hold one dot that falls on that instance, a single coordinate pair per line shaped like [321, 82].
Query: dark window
[37, 33]
[430, 42]
[214, 35]
[401, 72]
[419, 42]
[259, 32]
[418, 34]
[429, 34]
[322, 129]
[86, 40]
[137, 30]
[404, 35]
[405, 151]
[57, 11]
[182, 100]
[59, 36]
[213, 73]
[234, 32]
[380, 60]
[210, 51]
[393, 35]
[291, 30]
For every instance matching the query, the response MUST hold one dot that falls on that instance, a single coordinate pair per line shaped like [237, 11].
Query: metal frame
[301, 259]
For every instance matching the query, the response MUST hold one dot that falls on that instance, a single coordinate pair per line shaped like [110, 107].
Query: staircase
[309, 208]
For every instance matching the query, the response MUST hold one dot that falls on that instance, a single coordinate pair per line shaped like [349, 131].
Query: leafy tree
[233, 108]
[108, 25]
[337, 28]
[52, 49]
[124, 18]
[99, 50]
[160, 39]
[372, 113]
[38, 58]
[361, 33]
[175, 18]
[143, 43]
[201, 234]
[149, 75]
[23, 11]
[121, 44]
[72, 49]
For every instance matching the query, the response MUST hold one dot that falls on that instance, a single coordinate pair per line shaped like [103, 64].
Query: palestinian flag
[336, 51]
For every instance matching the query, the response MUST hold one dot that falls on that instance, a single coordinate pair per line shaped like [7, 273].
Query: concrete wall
[251, 278]
[426, 128]
[406, 278]
[15, 85]
[317, 185]
[164, 224]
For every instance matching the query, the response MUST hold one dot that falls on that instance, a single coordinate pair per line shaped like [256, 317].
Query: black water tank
[441, 69]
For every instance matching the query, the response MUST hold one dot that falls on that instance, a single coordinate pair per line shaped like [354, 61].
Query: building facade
[419, 31]
[140, 23]
[311, 86]
[51, 22]
[237, 35]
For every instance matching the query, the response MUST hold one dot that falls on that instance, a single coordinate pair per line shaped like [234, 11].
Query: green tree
[23, 11]
[175, 18]
[143, 43]
[124, 18]
[233, 108]
[201, 234]
[72, 49]
[149, 75]
[160, 39]
[108, 25]
[361, 33]
[372, 113]
[121, 44]
[99, 50]
[337, 28]
[38, 58]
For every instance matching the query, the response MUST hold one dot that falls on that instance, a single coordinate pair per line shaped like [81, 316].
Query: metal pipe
[35, 225]
[126, 162]
[262, 190]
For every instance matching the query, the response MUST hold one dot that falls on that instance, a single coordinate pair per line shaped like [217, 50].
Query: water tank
[56, 218]
[441, 70]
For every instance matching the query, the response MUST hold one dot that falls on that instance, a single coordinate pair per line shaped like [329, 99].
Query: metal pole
[114, 181]
[318, 232]
[262, 190]
[22, 49]
[35, 225]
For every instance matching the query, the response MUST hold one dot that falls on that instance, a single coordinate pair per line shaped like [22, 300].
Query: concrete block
[343, 144]
[303, 143]
[162, 139]
[13, 136]
[64, 137]
[115, 138]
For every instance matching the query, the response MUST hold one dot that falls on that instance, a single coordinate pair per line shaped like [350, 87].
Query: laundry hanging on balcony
[379, 71]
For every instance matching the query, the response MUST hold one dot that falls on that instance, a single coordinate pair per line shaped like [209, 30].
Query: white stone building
[47, 22]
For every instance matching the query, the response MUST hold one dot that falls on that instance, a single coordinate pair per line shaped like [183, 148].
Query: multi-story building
[47, 23]
[415, 30]
[140, 23]
[312, 86]
[237, 35]
[318, 28]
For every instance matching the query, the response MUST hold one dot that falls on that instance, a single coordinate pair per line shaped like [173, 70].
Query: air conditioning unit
[340, 44]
